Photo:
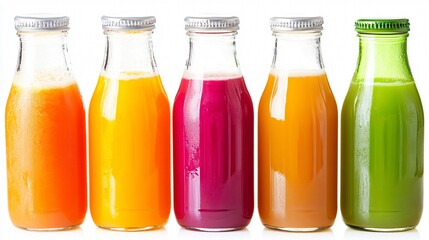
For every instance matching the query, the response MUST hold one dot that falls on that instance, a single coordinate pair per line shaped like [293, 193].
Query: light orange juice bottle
[297, 129]
[45, 135]
[45, 132]
[129, 134]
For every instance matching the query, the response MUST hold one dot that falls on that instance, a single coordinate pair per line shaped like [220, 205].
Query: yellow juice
[129, 143]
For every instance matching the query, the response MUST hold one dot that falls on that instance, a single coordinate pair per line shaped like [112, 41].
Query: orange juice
[297, 152]
[46, 153]
[129, 134]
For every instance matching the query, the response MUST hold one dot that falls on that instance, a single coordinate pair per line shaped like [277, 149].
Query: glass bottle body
[297, 129]
[129, 121]
[382, 139]
[45, 137]
[213, 139]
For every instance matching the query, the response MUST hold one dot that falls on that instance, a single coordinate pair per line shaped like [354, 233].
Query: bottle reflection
[320, 235]
[243, 234]
[351, 234]
[19, 233]
[159, 234]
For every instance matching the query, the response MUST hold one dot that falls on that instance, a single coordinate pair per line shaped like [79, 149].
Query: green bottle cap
[382, 26]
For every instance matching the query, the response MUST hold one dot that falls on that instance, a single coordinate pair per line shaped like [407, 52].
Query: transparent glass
[213, 138]
[129, 137]
[382, 139]
[45, 137]
[297, 138]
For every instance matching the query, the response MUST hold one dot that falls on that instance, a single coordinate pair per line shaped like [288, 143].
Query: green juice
[382, 155]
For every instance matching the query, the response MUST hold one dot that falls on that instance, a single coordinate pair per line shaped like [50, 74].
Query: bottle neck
[383, 58]
[129, 52]
[43, 52]
[297, 52]
[212, 55]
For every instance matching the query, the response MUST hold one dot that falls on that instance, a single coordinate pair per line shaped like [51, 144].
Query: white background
[255, 49]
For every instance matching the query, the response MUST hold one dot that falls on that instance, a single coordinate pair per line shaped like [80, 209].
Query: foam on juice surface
[382, 82]
[44, 79]
[211, 76]
[126, 76]
[298, 72]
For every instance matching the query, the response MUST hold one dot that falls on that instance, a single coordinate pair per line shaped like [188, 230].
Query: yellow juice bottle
[129, 137]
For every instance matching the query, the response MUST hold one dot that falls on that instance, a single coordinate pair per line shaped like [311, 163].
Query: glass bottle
[129, 132]
[213, 132]
[45, 130]
[297, 131]
[382, 133]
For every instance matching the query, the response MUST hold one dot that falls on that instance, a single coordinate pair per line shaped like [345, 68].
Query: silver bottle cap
[288, 24]
[128, 23]
[212, 24]
[41, 22]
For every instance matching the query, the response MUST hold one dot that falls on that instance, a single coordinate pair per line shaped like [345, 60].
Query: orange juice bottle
[129, 132]
[45, 131]
[297, 127]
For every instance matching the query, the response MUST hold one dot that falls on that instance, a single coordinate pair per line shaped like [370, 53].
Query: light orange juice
[297, 152]
[129, 136]
[46, 153]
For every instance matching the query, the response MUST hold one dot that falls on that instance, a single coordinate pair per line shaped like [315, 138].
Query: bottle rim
[213, 24]
[41, 22]
[296, 24]
[382, 26]
[117, 23]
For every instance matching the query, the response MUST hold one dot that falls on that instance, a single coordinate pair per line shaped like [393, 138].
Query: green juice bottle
[382, 133]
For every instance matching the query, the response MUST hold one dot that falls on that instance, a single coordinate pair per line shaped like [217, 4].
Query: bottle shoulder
[133, 84]
[302, 82]
[289, 92]
[382, 97]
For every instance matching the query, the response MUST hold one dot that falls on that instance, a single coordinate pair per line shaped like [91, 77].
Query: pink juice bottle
[213, 132]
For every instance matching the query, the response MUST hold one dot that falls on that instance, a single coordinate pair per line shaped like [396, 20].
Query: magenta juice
[213, 154]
